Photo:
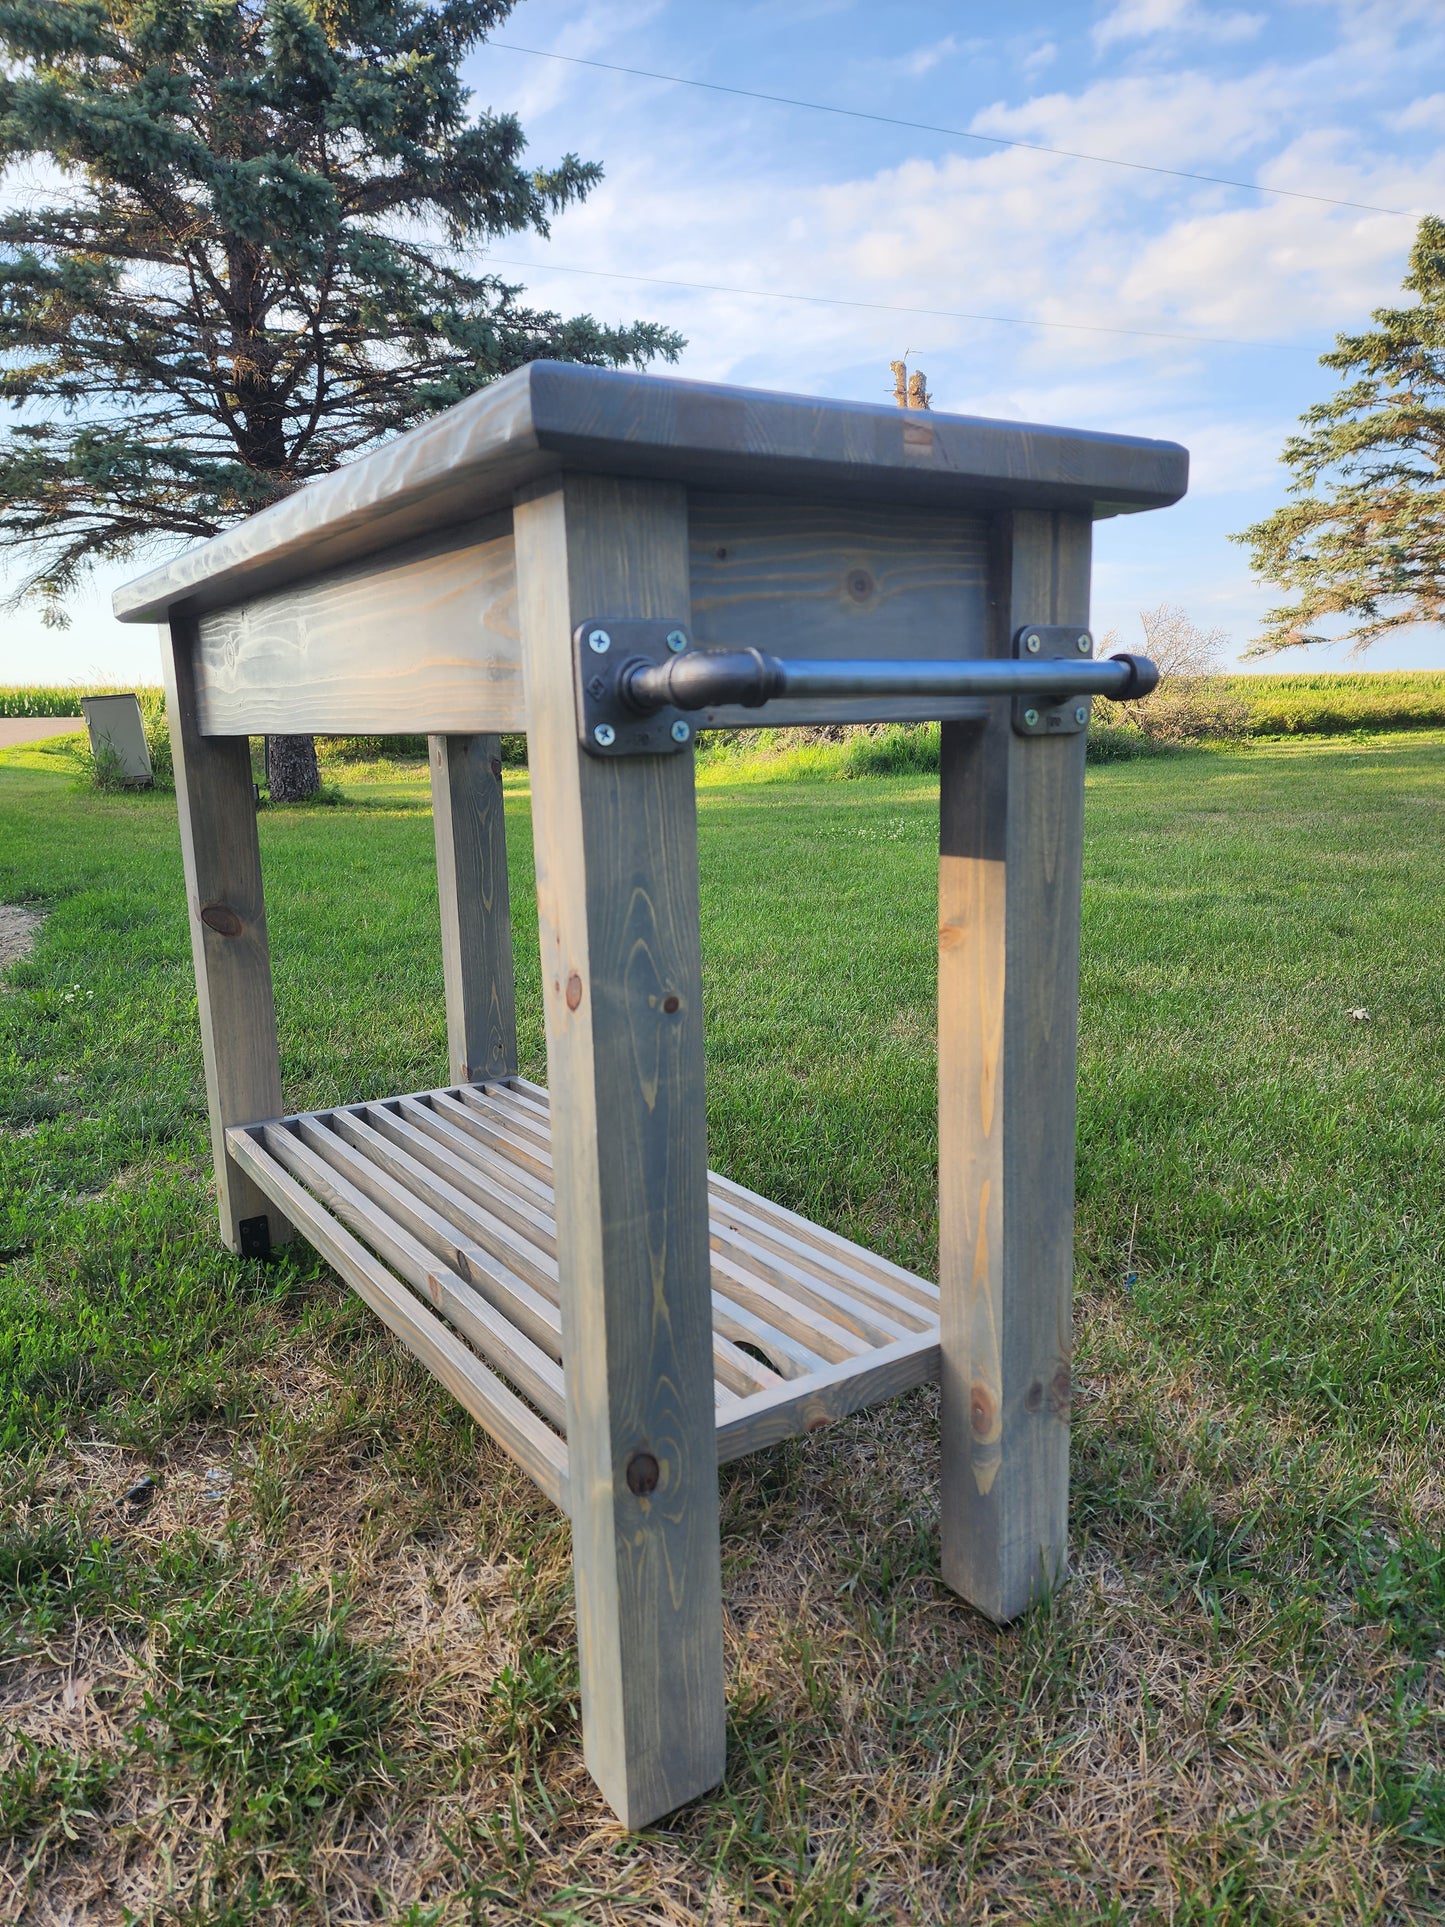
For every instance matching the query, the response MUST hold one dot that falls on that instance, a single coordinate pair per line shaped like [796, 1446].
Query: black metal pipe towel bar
[709, 678]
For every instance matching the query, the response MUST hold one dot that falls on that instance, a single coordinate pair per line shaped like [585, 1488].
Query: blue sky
[1336, 98]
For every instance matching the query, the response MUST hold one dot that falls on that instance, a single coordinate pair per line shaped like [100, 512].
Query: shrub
[893, 749]
[103, 768]
[1193, 703]
[158, 737]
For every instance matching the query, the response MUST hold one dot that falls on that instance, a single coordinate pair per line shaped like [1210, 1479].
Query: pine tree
[1364, 537]
[245, 254]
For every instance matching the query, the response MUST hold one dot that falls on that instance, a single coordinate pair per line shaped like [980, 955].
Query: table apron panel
[420, 640]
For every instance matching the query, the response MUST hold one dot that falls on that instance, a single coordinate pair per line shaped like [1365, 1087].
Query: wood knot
[221, 918]
[574, 991]
[496, 767]
[1034, 1396]
[981, 1411]
[643, 1472]
[860, 584]
[672, 1002]
[1059, 1390]
[721, 554]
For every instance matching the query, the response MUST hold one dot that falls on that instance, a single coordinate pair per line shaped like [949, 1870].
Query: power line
[954, 133]
[890, 307]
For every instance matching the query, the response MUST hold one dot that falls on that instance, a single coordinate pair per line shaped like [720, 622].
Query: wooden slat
[442, 1220]
[748, 1307]
[530, 1135]
[849, 1303]
[534, 1311]
[514, 1210]
[420, 1200]
[496, 1241]
[837, 1295]
[791, 1357]
[426, 1118]
[835, 1259]
[830, 1394]
[517, 1429]
[495, 1336]
[519, 1113]
[485, 1126]
[502, 1184]
[821, 1333]
[857, 1259]
[523, 1093]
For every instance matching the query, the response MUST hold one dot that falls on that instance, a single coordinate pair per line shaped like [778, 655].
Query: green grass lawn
[327, 1674]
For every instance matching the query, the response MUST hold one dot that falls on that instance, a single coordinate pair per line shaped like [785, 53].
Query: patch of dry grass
[1169, 1740]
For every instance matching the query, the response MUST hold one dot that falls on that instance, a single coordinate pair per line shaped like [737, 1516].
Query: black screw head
[643, 1473]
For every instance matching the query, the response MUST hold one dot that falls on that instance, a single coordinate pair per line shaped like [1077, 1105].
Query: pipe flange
[1052, 713]
[605, 651]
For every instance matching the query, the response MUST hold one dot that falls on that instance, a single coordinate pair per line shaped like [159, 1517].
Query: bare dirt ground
[18, 931]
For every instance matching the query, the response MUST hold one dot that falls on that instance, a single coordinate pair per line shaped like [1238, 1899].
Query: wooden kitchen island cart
[609, 562]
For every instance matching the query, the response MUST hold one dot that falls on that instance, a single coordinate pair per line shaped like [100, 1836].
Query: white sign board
[116, 729]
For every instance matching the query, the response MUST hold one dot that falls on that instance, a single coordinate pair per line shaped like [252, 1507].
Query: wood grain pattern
[471, 843]
[1011, 828]
[616, 856]
[221, 858]
[517, 1429]
[551, 415]
[525, 1257]
[837, 580]
[414, 641]
[831, 1393]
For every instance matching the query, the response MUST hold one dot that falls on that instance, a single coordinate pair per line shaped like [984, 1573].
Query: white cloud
[530, 87]
[1041, 57]
[1426, 113]
[1148, 19]
[924, 59]
[1186, 119]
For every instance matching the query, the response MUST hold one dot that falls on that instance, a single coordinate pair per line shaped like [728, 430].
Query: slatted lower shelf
[438, 1209]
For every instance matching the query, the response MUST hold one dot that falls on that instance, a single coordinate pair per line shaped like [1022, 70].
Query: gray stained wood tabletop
[549, 416]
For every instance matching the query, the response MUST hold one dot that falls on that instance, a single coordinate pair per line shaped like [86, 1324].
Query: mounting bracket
[606, 725]
[1051, 713]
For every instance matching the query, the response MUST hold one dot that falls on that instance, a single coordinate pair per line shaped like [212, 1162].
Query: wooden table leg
[616, 855]
[471, 840]
[222, 860]
[1011, 831]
